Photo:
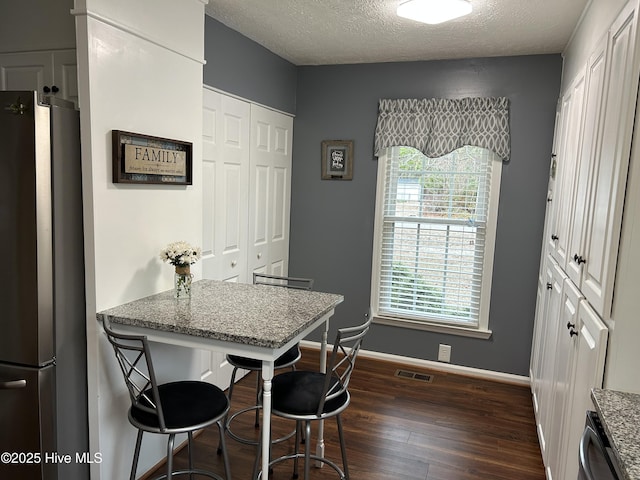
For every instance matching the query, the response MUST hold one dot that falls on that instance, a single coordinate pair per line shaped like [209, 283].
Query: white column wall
[140, 70]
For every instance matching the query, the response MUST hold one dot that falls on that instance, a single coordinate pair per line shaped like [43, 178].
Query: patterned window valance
[438, 126]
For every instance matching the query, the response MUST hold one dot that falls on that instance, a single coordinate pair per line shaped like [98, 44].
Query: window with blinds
[432, 235]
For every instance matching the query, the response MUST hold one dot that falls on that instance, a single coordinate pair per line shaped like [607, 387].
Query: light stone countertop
[257, 315]
[620, 416]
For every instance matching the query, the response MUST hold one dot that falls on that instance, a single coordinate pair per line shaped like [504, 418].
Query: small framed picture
[337, 160]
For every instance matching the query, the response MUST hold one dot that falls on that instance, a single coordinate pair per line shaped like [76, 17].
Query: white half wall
[140, 70]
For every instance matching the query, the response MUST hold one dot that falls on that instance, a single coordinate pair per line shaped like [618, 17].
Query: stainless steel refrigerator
[43, 379]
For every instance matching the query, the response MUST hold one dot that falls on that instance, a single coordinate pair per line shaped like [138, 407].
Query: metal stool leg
[170, 442]
[136, 454]
[343, 448]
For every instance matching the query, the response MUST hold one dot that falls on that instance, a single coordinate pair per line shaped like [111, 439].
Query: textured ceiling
[320, 32]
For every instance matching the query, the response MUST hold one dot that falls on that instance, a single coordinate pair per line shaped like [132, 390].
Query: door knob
[234, 263]
[259, 256]
[579, 259]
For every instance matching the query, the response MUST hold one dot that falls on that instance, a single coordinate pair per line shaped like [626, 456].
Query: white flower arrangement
[180, 254]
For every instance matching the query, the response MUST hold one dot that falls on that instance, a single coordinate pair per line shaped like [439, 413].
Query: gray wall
[241, 67]
[36, 25]
[332, 221]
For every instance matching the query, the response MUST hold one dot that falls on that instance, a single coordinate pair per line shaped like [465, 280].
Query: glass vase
[182, 282]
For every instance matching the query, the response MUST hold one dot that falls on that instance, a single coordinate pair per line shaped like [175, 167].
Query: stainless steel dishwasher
[597, 460]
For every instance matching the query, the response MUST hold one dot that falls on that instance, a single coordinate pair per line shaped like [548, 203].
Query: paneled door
[225, 172]
[270, 187]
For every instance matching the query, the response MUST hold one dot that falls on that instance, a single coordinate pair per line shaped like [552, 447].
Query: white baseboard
[432, 365]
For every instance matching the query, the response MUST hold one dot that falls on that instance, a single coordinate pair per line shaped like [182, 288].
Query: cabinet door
[270, 191]
[47, 72]
[225, 187]
[26, 71]
[541, 330]
[548, 360]
[611, 165]
[588, 152]
[566, 332]
[65, 75]
[573, 102]
[588, 369]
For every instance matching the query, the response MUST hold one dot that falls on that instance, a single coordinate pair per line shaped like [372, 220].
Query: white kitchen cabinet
[566, 329]
[610, 165]
[543, 382]
[587, 357]
[246, 174]
[588, 152]
[582, 235]
[51, 72]
[571, 134]
[593, 163]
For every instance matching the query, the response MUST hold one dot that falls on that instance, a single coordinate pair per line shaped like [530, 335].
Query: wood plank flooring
[454, 428]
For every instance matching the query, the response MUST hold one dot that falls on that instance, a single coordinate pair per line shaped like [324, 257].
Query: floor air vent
[422, 377]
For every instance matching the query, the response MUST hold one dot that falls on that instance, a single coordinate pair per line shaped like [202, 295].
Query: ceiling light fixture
[433, 11]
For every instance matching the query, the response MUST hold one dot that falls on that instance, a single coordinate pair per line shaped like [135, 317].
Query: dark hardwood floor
[453, 428]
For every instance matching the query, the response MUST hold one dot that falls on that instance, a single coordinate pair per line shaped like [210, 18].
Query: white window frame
[482, 330]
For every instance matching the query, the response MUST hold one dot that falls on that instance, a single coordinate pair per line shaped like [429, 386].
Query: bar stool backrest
[134, 359]
[279, 281]
[342, 361]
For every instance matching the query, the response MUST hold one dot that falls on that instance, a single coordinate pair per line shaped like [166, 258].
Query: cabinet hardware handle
[259, 256]
[46, 89]
[579, 259]
[572, 333]
[549, 286]
[55, 89]
[549, 199]
[554, 237]
[570, 325]
[234, 263]
[553, 155]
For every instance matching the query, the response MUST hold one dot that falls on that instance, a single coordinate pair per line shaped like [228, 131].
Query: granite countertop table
[255, 315]
[620, 416]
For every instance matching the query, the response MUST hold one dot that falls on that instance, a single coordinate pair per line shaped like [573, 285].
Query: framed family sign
[139, 158]
[337, 160]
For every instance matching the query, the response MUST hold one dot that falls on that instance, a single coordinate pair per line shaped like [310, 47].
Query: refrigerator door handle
[13, 384]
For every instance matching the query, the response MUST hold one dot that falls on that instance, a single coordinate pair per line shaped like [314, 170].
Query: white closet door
[270, 186]
[225, 171]
[225, 186]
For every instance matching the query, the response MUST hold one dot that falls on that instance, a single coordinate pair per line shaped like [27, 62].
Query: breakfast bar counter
[256, 321]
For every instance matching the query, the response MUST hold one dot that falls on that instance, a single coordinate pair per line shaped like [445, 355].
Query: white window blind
[433, 235]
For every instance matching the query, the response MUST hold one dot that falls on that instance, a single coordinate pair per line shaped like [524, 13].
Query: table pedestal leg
[323, 369]
[267, 375]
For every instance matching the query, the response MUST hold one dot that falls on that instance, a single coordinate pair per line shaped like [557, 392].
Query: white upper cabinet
[571, 132]
[588, 151]
[593, 162]
[52, 73]
[610, 164]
